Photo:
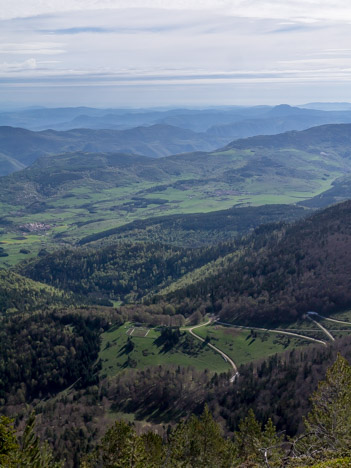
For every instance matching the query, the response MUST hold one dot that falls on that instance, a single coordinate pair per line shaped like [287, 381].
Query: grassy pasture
[242, 347]
[184, 184]
[148, 352]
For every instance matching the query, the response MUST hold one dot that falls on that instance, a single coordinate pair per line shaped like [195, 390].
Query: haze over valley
[175, 229]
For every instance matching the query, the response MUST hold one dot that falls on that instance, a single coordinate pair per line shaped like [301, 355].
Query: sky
[154, 53]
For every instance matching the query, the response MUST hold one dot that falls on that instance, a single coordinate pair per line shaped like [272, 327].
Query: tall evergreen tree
[328, 425]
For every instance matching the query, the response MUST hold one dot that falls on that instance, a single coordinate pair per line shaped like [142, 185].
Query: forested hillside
[275, 274]
[165, 394]
[198, 229]
[282, 274]
[20, 294]
[122, 271]
[44, 353]
[100, 353]
[112, 303]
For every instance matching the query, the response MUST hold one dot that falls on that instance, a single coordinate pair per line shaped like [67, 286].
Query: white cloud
[175, 44]
[303, 10]
[30, 64]
[41, 48]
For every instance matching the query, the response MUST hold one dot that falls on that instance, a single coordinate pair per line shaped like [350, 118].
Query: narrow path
[336, 321]
[329, 335]
[224, 355]
[281, 332]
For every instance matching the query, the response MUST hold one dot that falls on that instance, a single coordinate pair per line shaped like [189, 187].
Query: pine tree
[199, 443]
[257, 447]
[248, 438]
[30, 452]
[120, 447]
[8, 442]
[328, 425]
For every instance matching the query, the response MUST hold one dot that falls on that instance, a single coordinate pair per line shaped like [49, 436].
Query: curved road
[334, 320]
[225, 356]
[281, 332]
[327, 332]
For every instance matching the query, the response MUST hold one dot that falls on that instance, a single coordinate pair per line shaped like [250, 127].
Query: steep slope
[340, 191]
[283, 273]
[197, 229]
[18, 293]
[122, 271]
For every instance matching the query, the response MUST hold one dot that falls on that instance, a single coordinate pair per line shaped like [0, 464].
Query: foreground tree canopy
[199, 442]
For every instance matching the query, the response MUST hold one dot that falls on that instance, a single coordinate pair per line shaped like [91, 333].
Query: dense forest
[20, 294]
[123, 271]
[199, 229]
[281, 274]
[52, 334]
[198, 441]
[43, 353]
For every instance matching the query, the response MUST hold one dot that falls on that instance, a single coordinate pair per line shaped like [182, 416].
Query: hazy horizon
[157, 53]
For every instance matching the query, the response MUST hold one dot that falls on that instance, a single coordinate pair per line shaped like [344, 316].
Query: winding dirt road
[334, 320]
[281, 332]
[224, 355]
[327, 332]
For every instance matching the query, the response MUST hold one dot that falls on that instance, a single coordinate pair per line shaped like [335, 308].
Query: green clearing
[242, 346]
[75, 222]
[344, 315]
[338, 330]
[146, 352]
[114, 195]
[309, 328]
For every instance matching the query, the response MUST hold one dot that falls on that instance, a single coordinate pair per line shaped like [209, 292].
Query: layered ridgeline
[224, 122]
[281, 274]
[20, 147]
[72, 196]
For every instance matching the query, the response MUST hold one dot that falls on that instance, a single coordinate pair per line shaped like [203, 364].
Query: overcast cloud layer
[152, 53]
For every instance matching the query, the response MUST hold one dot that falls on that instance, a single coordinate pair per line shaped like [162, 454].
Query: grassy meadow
[244, 347]
[148, 351]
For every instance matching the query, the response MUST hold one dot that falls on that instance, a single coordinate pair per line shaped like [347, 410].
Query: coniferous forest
[175, 233]
[99, 366]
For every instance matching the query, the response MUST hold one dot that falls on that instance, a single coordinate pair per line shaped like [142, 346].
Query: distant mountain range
[20, 148]
[153, 133]
[299, 158]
